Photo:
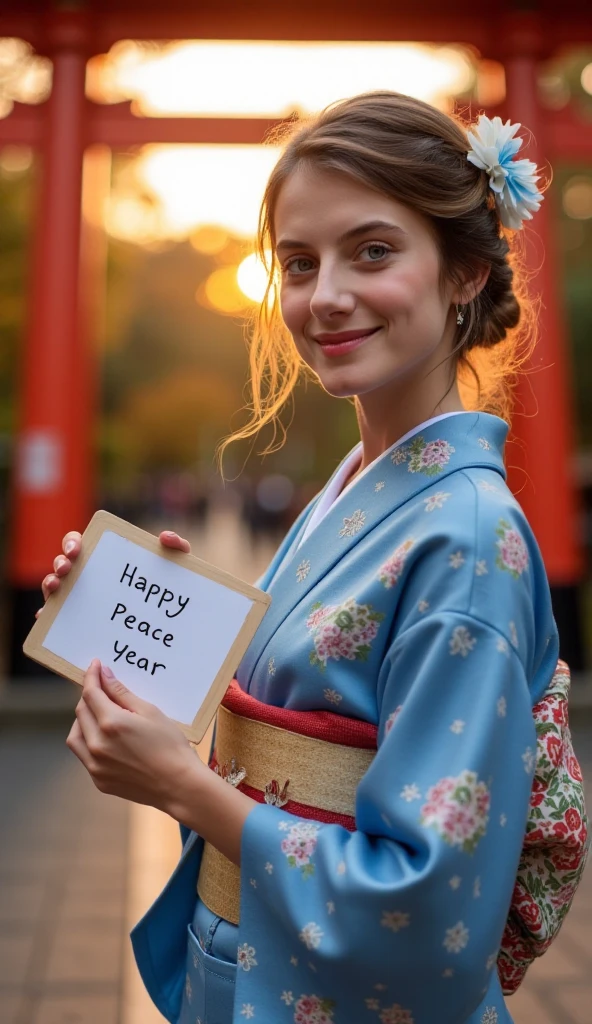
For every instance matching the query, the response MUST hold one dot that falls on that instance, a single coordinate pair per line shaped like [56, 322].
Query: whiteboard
[170, 626]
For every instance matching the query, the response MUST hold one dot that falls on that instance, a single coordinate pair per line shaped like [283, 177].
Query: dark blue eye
[294, 266]
[376, 251]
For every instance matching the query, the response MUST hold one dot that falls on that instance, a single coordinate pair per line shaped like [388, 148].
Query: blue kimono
[420, 604]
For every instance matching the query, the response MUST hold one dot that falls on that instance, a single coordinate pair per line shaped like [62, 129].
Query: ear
[471, 286]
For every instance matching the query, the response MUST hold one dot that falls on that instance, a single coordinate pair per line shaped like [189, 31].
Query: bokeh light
[577, 197]
[586, 78]
[15, 160]
[209, 239]
[193, 187]
[252, 277]
[270, 78]
[221, 292]
[24, 76]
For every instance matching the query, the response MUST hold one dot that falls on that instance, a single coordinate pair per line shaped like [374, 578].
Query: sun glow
[191, 187]
[210, 194]
[252, 277]
[184, 188]
[269, 78]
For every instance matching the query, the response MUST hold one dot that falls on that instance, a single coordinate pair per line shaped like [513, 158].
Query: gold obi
[315, 778]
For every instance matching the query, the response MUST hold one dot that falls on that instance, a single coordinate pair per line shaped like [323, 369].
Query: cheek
[393, 293]
[295, 308]
[414, 292]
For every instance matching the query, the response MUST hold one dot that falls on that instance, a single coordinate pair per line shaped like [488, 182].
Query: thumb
[120, 694]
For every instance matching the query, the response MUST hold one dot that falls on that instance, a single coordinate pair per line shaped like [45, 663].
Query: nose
[331, 296]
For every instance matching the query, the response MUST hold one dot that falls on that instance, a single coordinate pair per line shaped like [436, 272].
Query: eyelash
[367, 245]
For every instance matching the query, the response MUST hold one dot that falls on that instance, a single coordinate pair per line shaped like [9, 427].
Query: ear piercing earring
[460, 315]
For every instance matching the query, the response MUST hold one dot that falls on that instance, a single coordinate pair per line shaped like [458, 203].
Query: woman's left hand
[127, 745]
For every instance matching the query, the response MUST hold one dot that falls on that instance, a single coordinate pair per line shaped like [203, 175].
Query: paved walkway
[63, 858]
[78, 868]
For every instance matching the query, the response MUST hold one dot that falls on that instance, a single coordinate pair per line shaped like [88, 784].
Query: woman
[410, 612]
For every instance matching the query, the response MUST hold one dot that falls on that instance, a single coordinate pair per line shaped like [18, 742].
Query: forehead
[314, 203]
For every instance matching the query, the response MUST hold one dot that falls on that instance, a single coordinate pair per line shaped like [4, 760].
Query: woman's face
[360, 285]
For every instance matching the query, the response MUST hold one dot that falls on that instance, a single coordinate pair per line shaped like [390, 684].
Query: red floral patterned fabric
[556, 843]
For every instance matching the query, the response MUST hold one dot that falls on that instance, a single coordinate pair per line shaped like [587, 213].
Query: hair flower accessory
[493, 148]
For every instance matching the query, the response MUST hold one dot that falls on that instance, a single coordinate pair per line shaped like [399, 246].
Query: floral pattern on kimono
[461, 649]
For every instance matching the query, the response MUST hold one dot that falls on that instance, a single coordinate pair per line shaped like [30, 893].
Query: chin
[349, 386]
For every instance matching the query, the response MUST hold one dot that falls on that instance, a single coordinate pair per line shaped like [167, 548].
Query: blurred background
[133, 157]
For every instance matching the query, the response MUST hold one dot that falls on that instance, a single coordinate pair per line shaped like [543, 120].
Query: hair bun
[500, 309]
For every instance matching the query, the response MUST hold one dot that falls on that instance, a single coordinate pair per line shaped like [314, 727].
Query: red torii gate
[52, 485]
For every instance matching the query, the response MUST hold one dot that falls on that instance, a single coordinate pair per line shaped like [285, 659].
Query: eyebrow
[361, 229]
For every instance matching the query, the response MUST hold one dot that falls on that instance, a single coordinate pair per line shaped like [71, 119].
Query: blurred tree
[575, 249]
[163, 420]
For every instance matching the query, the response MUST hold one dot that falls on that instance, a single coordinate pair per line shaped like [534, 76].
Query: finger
[61, 565]
[49, 585]
[71, 544]
[120, 694]
[75, 743]
[89, 726]
[93, 695]
[38, 612]
[169, 539]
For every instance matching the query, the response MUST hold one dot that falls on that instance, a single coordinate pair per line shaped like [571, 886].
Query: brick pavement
[62, 887]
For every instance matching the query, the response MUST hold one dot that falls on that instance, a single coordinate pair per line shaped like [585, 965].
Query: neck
[386, 416]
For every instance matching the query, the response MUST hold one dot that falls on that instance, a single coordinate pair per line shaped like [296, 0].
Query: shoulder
[474, 553]
[463, 515]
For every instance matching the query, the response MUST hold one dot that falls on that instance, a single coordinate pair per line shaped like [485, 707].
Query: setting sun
[252, 278]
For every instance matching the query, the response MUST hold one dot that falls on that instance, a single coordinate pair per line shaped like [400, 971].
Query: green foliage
[575, 262]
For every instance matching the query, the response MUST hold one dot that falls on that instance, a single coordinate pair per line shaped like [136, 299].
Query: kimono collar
[469, 440]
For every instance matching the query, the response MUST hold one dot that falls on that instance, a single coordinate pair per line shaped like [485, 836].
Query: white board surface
[172, 627]
[184, 624]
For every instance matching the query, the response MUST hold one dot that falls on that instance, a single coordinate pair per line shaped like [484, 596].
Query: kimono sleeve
[407, 911]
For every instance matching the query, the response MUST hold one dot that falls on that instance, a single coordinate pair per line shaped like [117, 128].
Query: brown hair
[414, 153]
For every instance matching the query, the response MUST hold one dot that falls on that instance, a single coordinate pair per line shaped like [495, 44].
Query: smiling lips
[343, 341]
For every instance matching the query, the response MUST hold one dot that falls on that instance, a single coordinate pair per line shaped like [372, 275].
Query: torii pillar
[51, 485]
[541, 462]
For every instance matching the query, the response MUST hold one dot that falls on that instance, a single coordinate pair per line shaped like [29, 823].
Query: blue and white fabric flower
[493, 148]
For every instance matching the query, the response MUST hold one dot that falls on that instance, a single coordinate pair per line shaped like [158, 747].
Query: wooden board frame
[102, 521]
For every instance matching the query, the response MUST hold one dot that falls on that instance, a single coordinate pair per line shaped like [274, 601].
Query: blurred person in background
[268, 506]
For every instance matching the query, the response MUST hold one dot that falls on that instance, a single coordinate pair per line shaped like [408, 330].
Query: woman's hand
[71, 549]
[129, 748]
